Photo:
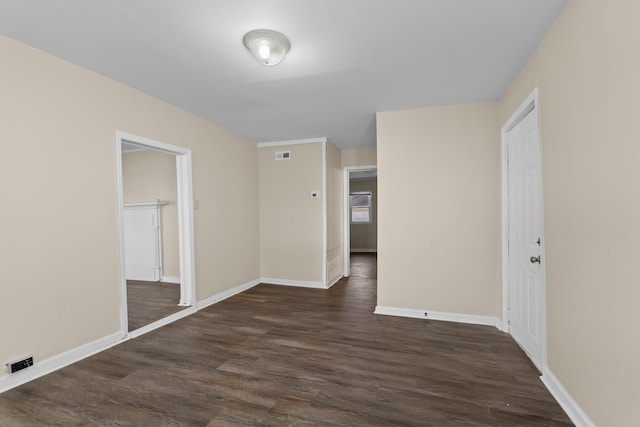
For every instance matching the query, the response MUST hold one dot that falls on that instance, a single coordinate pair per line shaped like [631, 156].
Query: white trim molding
[170, 279]
[187, 311]
[324, 215]
[44, 367]
[295, 283]
[154, 204]
[570, 406]
[334, 281]
[292, 142]
[226, 294]
[185, 217]
[471, 319]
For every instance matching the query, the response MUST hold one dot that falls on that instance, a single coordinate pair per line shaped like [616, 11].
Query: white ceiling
[349, 58]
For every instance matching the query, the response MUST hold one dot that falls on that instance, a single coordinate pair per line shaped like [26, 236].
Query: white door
[526, 281]
[142, 246]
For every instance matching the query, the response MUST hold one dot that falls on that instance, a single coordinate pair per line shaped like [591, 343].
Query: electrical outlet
[18, 365]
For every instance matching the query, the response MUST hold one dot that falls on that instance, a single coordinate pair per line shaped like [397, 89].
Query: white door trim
[325, 280]
[530, 105]
[347, 214]
[185, 220]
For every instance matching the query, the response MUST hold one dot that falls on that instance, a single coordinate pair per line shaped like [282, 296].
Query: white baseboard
[162, 322]
[362, 250]
[570, 406]
[334, 281]
[170, 279]
[439, 315]
[298, 283]
[226, 294]
[59, 361]
[499, 324]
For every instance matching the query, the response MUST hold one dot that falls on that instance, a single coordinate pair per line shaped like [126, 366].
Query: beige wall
[439, 209]
[149, 175]
[365, 236]
[290, 220]
[359, 157]
[587, 70]
[59, 245]
[335, 264]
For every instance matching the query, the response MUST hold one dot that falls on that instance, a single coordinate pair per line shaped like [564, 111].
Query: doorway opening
[524, 311]
[157, 263]
[360, 212]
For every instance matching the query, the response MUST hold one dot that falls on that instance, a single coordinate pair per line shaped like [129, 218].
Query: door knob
[535, 259]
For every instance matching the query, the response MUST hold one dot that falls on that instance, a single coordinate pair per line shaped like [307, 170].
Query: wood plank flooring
[282, 356]
[151, 301]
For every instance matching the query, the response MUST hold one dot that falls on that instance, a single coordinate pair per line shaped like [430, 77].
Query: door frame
[185, 229]
[347, 214]
[531, 105]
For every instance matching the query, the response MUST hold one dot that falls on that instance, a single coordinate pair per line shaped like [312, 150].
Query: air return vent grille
[18, 365]
[283, 155]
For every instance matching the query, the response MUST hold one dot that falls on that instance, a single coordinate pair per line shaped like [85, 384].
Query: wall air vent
[18, 365]
[283, 155]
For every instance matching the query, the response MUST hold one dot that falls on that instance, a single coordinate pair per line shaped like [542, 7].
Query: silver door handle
[535, 259]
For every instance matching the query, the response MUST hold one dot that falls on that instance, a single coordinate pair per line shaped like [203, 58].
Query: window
[360, 207]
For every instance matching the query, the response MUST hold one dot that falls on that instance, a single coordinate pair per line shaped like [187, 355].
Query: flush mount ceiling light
[267, 47]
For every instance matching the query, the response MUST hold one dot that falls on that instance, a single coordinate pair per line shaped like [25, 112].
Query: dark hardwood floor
[283, 356]
[150, 301]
